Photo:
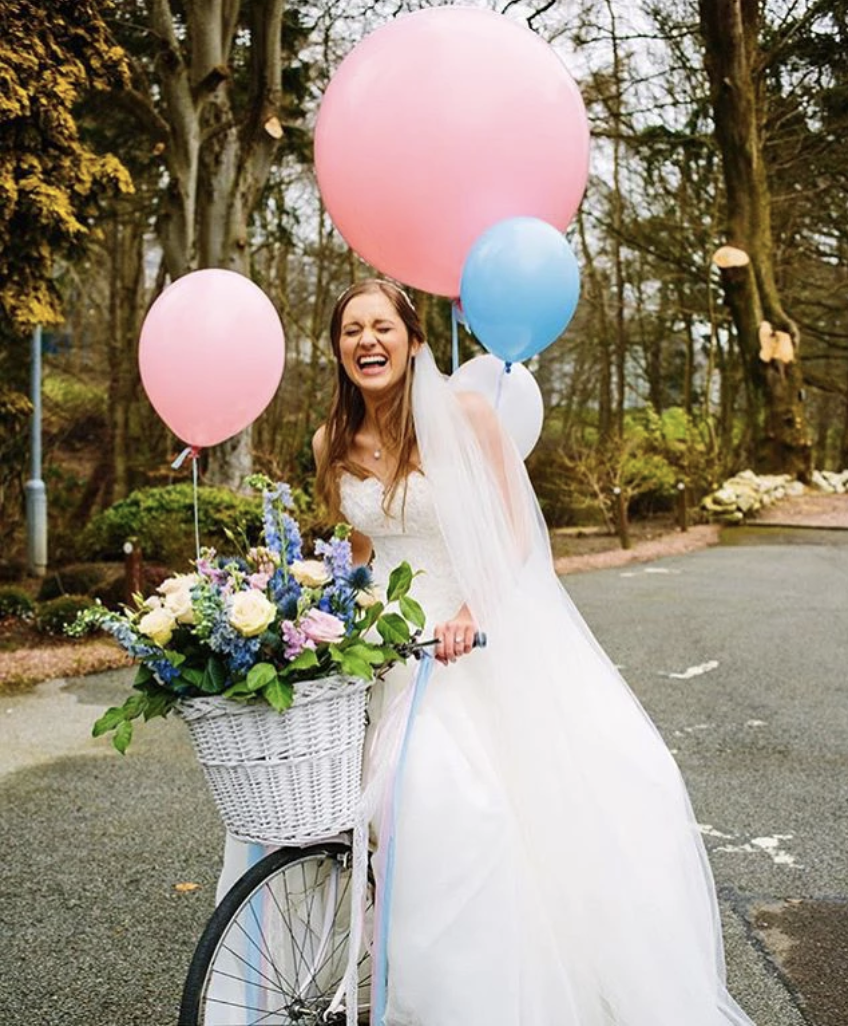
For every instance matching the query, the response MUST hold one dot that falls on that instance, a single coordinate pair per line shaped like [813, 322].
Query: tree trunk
[730, 32]
[597, 293]
[843, 446]
[218, 157]
[615, 108]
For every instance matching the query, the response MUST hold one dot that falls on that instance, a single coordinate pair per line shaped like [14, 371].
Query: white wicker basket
[283, 778]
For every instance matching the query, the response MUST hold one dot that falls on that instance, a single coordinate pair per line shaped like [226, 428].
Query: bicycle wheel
[275, 950]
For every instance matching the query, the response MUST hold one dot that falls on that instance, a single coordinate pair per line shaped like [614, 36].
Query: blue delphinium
[282, 533]
[164, 671]
[238, 652]
[339, 597]
[124, 634]
[285, 592]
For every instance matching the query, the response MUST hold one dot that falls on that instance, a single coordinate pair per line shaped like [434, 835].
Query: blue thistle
[360, 578]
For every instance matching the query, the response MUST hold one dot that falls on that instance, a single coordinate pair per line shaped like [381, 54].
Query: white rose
[179, 603]
[368, 596]
[158, 625]
[179, 582]
[251, 613]
[311, 573]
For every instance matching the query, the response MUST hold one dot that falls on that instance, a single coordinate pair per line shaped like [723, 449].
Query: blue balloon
[519, 289]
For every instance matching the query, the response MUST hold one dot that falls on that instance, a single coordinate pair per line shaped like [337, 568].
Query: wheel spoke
[276, 950]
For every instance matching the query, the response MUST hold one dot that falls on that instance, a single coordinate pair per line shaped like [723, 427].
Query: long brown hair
[347, 408]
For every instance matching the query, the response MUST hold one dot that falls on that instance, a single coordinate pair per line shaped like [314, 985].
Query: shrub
[15, 602]
[162, 522]
[74, 410]
[113, 594]
[78, 579]
[54, 615]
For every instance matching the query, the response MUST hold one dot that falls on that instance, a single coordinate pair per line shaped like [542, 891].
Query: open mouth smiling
[372, 362]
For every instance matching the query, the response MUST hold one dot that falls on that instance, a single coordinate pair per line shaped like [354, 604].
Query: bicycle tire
[275, 949]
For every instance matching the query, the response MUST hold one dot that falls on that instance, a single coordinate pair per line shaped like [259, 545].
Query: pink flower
[259, 580]
[294, 639]
[320, 626]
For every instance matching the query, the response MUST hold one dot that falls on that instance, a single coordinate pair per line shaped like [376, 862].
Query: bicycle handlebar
[415, 648]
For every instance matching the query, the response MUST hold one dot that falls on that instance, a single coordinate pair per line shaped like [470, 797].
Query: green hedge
[15, 602]
[162, 522]
[56, 614]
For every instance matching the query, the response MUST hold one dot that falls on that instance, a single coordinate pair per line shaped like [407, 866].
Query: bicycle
[275, 950]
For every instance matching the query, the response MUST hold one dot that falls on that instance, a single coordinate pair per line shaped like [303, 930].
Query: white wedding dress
[597, 910]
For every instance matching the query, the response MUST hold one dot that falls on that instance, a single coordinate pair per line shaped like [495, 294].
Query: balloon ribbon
[192, 451]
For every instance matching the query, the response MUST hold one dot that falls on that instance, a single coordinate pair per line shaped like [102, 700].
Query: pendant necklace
[378, 453]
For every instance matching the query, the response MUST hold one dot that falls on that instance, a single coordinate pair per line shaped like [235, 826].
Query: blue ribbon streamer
[506, 369]
[381, 948]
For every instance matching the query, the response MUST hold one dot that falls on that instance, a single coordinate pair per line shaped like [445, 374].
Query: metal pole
[36, 494]
[682, 507]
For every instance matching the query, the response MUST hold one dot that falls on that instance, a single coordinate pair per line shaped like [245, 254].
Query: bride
[548, 868]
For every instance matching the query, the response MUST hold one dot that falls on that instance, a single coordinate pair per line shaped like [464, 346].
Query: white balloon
[515, 396]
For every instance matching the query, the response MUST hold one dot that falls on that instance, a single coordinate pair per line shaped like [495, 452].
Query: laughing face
[374, 344]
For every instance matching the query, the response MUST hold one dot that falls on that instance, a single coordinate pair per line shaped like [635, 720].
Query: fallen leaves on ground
[23, 667]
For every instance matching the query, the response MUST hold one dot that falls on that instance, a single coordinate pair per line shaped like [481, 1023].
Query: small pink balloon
[211, 355]
[437, 126]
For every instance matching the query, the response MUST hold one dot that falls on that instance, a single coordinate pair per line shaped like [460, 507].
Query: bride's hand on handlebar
[456, 638]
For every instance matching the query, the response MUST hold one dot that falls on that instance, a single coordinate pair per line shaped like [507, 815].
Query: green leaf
[260, 675]
[123, 736]
[192, 675]
[279, 694]
[399, 581]
[356, 667]
[367, 653]
[412, 610]
[135, 705]
[108, 721]
[158, 704]
[305, 661]
[143, 675]
[214, 677]
[393, 629]
[174, 658]
[239, 690]
[372, 614]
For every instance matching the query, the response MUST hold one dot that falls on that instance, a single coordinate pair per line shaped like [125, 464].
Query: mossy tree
[52, 184]
[51, 55]
[735, 64]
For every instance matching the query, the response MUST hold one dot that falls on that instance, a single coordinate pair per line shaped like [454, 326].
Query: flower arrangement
[249, 628]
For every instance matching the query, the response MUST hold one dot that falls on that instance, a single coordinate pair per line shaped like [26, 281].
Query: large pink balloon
[437, 126]
[211, 355]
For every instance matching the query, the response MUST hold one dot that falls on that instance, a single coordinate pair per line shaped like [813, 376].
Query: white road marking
[757, 845]
[648, 570]
[693, 671]
[708, 830]
[769, 845]
[692, 729]
[755, 723]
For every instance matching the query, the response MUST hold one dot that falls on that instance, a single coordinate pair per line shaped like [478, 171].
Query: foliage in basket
[250, 627]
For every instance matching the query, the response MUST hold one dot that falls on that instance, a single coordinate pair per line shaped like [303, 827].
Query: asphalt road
[739, 654]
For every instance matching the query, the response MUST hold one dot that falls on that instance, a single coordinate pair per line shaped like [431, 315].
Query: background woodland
[142, 139]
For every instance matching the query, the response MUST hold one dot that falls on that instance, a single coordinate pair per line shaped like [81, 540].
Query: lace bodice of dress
[415, 537]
